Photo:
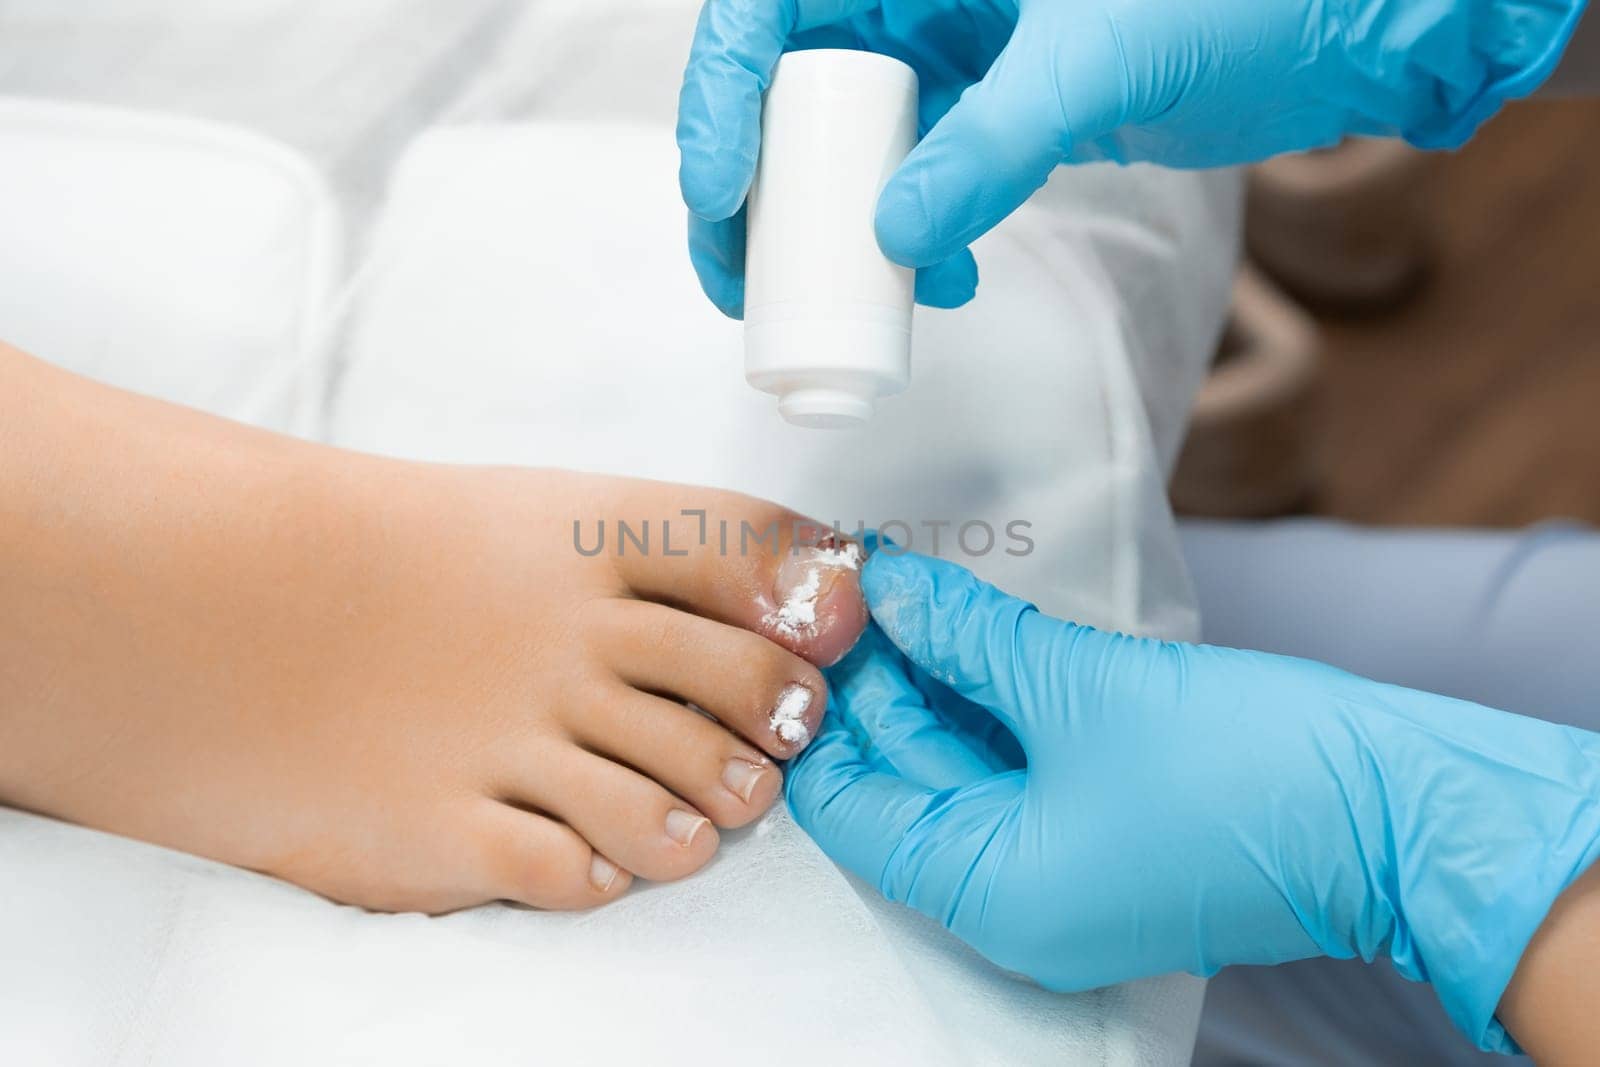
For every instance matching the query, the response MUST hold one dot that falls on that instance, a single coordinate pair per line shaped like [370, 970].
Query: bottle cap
[825, 409]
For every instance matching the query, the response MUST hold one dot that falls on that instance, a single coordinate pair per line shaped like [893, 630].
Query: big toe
[817, 608]
[748, 563]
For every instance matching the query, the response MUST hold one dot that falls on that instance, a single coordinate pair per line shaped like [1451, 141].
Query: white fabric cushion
[173, 257]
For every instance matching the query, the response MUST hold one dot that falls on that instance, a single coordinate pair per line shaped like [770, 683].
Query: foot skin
[401, 686]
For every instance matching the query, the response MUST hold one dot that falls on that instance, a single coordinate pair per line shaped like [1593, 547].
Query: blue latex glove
[1087, 808]
[1196, 83]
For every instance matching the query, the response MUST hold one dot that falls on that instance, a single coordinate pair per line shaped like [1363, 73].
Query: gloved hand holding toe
[1170, 807]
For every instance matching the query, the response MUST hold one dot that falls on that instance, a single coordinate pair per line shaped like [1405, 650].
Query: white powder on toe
[798, 614]
[847, 556]
[789, 717]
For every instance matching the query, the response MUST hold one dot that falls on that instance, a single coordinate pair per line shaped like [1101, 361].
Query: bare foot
[403, 686]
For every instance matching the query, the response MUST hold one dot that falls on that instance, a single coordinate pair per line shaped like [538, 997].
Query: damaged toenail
[682, 826]
[602, 873]
[789, 716]
[741, 776]
[805, 579]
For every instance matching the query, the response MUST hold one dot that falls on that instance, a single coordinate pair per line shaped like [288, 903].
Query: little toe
[533, 860]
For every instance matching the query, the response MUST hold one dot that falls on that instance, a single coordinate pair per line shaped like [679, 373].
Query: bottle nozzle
[825, 409]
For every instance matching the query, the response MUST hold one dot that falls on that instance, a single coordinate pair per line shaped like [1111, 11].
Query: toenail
[804, 580]
[682, 826]
[741, 776]
[602, 873]
[789, 715]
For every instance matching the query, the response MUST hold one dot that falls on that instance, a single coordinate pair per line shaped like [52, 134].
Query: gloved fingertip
[718, 134]
[726, 292]
[899, 592]
[949, 284]
[906, 227]
[956, 628]
[716, 251]
[995, 146]
[705, 196]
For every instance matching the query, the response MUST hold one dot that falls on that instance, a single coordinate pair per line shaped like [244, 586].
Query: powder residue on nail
[847, 556]
[797, 615]
[789, 717]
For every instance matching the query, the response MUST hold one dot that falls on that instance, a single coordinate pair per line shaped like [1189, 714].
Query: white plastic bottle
[827, 315]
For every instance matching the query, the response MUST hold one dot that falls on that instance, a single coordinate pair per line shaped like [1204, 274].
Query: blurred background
[1416, 339]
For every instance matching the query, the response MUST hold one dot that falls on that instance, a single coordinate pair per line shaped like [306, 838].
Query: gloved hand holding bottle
[1088, 808]
[1013, 88]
